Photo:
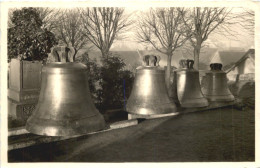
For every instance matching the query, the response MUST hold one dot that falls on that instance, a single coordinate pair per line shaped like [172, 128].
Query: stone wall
[241, 77]
[243, 87]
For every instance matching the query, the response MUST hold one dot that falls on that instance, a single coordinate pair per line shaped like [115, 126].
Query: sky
[243, 39]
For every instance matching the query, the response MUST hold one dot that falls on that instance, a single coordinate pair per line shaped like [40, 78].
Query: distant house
[205, 56]
[208, 55]
[133, 58]
[227, 58]
[244, 67]
[245, 64]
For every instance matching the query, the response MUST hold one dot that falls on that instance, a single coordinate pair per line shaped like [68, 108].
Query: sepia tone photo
[127, 84]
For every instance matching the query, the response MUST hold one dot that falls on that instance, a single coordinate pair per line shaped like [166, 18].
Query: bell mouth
[66, 127]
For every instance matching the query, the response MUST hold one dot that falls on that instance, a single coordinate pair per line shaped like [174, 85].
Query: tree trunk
[168, 72]
[104, 58]
[196, 57]
[74, 56]
[105, 53]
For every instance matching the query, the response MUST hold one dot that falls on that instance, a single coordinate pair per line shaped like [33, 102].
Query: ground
[225, 134]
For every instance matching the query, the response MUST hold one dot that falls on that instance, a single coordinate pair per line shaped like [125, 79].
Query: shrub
[110, 83]
[26, 39]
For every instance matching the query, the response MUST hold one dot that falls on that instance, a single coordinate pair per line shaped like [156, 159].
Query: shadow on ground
[225, 134]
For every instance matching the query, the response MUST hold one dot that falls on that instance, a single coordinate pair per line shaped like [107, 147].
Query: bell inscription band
[188, 86]
[215, 86]
[65, 107]
[149, 94]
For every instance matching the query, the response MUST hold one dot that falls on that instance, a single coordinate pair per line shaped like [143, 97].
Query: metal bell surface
[149, 93]
[214, 85]
[188, 86]
[65, 107]
[172, 91]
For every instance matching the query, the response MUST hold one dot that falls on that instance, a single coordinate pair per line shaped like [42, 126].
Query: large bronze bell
[214, 84]
[65, 107]
[188, 86]
[149, 94]
[172, 90]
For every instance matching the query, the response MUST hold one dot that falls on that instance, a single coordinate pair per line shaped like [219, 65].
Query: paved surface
[215, 135]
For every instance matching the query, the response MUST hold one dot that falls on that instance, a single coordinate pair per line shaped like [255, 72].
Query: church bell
[65, 107]
[214, 85]
[172, 90]
[188, 86]
[149, 94]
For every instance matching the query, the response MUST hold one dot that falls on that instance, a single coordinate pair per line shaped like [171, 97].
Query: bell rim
[220, 98]
[160, 109]
[155, 113]
[193, 103]
[86, 125]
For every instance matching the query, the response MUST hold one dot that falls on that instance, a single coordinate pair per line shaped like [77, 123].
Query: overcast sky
[243, 39]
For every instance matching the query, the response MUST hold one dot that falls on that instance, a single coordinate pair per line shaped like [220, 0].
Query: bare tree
[103, 25]
[69, 30]
[163, 29]
[49, 17]
[248, 20]
[200, 23]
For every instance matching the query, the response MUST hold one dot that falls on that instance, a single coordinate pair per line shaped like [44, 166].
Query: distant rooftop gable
[133, 58]
[249, 54]
[227, 57]
[207, 56]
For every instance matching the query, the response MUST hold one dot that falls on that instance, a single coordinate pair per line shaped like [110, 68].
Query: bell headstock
[62, 53]
[151, 60]
[216, 66]
[186, 63]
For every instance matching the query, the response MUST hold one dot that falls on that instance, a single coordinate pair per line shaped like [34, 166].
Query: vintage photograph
[95, 84]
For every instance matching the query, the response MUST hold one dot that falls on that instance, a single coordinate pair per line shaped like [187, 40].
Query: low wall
[243, 87]
[234, 77]
[241, 77]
